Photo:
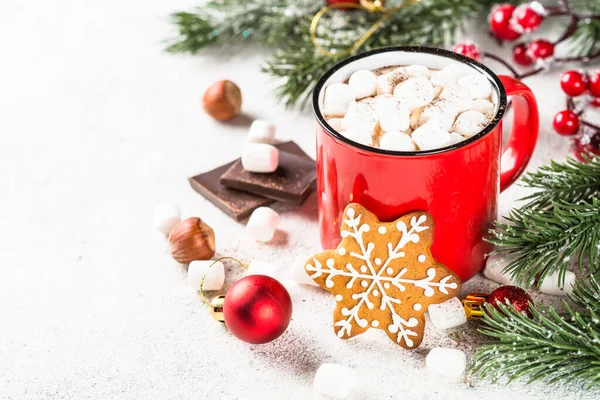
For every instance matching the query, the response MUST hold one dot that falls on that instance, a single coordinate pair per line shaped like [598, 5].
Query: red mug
[458, 185]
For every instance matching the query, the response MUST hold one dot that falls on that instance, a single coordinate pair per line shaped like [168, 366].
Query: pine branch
[427, 23]
[284, 25]
[551, 347]
[232, 21]
[586, 38]
[560, 222]
[569, 181]
[538, 241]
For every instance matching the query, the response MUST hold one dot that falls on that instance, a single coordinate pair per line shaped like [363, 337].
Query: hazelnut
[222, 100]
[192, 239]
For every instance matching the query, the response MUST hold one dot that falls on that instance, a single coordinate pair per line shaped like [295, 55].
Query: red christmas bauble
[566, 123]
[500, 23]
[528, 16]
[515, 296]
[594, 83]
[257, 309]
[469, 49]
[540, 49]
[521, 56]
[331, 2]
[573, 83]
[587, 143]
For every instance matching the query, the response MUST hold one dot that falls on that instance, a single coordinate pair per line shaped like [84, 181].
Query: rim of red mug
[412, 49]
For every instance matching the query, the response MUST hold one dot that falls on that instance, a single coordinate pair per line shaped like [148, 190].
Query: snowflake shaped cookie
[383, 275]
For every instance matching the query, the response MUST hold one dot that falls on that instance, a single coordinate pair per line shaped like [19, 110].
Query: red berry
[469, 49]
[573, 83]
[331, 2]
[529, 16]
[540, 49]
[566, 123]
[595, 102]
[499, 21]
[594, 84]
[521, 56]
[587, 143]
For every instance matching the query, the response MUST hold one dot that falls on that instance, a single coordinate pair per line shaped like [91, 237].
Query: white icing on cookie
[382, 282]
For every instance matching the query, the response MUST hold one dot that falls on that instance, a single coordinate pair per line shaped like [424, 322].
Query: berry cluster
[509, 23]
[583, 90]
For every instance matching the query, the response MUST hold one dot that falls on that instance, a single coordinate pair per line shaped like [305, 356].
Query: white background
[97, 126]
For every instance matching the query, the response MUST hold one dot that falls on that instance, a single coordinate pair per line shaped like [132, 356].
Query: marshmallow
[494, 265]
[415, 92]
[370, 102]
[485, 107]
[417, 70]
[386, 83]
[448, 314]
[431, 135]
[335, 123]
[262, 224]
[338, 97]
[358, 136]
[215, 275]
[441, 110]
[334, 380]
[550, 284]
[360, 122]
[364, 83]
[494, 98]
[414, 117]
[458, 96]
[166, 216]
[299, 274]
[392, 115]
[397, 141]
[262, 268]
[469, 123]
[262, 131]
[446, 362]
[450, 74]
[455, 138]
[478, 85]
[260, 157]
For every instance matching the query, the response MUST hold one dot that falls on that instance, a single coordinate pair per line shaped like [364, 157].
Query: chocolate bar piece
[237, 204]
[290, 183]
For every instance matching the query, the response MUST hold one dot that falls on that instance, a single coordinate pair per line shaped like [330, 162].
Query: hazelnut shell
[192, 239]
[222, 100]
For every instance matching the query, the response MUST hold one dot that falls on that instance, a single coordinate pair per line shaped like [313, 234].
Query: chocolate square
[290, 183]
[237, 204]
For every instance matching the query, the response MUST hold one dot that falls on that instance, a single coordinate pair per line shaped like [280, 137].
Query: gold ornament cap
[216, 308]
[473, 305]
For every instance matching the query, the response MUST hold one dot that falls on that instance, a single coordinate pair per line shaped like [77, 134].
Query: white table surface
[97, 126]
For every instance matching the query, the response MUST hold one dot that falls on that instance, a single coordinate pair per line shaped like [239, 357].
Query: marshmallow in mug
[386, 108]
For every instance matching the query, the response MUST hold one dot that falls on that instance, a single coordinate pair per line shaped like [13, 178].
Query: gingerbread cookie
[383, 275]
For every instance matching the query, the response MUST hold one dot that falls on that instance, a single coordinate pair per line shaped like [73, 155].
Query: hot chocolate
[410, 108]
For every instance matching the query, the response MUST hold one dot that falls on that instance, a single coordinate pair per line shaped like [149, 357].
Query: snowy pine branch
[560, 224]
[551, 346]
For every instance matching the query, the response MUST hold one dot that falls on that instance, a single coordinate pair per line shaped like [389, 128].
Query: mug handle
[522, 139]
